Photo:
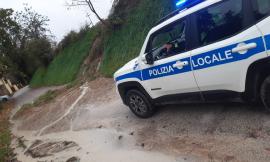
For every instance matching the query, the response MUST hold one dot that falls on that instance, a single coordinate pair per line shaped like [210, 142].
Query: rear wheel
[265, 93]
[139, 104]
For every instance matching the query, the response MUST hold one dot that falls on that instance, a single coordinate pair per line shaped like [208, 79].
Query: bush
[71, 38]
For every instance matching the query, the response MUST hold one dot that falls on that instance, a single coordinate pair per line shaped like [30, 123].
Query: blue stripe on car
[267, 39]
[236, 56]
[136, 74]
[145, 73]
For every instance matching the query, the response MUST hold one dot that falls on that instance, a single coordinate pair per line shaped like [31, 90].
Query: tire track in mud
[66, 113]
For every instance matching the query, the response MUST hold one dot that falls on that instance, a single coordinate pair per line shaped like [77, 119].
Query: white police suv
[205, 51]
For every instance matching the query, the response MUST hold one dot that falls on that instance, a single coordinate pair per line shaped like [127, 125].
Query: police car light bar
[181, 5]
[187, 3]
[181, 2]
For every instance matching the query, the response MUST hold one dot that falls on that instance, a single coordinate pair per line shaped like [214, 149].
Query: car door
[171, 73]
[226, 47]
[261, 16]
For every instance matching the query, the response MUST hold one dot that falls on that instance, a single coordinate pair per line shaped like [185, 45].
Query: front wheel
[139, 104]
[265, 93]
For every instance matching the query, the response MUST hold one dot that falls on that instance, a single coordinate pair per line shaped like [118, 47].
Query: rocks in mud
[73, 159]
[99, 127]
[41, 149]
[36, 143]
[21, 142]
[120, 137]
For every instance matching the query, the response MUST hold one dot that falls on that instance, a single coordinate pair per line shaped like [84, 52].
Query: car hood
[129, 67]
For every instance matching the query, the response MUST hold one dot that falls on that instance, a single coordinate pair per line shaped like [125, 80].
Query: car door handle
[244, 47]
[180, 64]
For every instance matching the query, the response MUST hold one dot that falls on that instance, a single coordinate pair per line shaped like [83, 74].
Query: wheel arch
[123, 88]
[256, 74]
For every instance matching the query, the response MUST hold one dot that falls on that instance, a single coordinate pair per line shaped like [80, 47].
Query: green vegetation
[120, 44]
[5, 135]
[48, 96]
[125, 44]
[25, 44]
[65, 66]
[5, 140]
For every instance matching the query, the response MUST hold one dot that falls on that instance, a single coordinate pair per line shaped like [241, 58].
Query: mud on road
[102, 129]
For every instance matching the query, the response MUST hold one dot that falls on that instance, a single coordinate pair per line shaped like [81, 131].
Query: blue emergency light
[187, 3]
[181, 5]
[180, 2]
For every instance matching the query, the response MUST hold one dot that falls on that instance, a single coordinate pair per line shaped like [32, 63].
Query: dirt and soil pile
[41, 149]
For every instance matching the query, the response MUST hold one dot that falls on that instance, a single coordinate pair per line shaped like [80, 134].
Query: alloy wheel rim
[137, 104]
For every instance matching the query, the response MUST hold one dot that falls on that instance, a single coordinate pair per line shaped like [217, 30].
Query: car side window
[219, 21]
[168, 41]
[261, 8]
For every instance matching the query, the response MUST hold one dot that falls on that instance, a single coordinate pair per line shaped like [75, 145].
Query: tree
[89, 4]
[33, 25]
[35, 41]
[9, 30]
[25, 43]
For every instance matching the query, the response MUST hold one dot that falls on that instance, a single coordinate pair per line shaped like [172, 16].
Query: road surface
[93, 125]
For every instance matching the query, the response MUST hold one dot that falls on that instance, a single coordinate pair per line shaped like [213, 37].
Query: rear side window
[219, 21]
[261, 8]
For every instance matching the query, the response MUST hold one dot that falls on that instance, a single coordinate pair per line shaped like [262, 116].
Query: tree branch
[90, 5]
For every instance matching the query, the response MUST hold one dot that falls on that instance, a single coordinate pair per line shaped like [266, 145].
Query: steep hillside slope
[65, 66]
[124, 44]
[132, 21]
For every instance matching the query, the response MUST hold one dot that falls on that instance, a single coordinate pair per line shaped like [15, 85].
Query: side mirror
[148, 58]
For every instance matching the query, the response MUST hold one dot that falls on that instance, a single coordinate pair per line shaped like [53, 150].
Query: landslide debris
[40, 149]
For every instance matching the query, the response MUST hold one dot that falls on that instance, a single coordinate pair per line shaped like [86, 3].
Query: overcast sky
[62, 20]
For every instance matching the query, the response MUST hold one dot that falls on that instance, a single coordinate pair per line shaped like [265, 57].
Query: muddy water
[96, 141]
[94, 117]
[100, 145]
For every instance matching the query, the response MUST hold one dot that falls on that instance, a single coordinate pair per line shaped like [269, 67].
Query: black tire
[265, 93]
[139, 104]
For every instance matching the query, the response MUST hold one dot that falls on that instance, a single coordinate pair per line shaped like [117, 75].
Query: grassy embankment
[119, 46]
[65, 66]
[125, 44]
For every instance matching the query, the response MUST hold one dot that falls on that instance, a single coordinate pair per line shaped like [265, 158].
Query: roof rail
[181, 6]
